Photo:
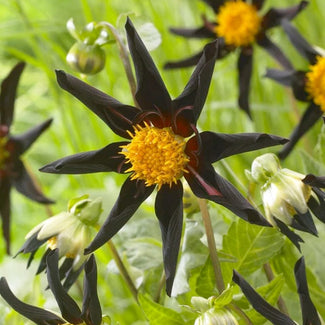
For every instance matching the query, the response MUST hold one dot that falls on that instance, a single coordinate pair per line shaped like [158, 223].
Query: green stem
[124, 55]
[123, 270]
[212, 245]
[240, 313]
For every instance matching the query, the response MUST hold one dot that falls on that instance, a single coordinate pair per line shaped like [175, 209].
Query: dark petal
[292, 236]
[31, 244]
[317, 206]
[215, 4]
[299, 86]
[91, 310]
[117, 116]
[275, 52]
[42, 264]
[8, 94]
[5, 210]
[131, 196]
[151, 91]
[37, 315]
[185, 63]
[65, 267]
[71, 277]
[258, 3]
[169, 211]
[304, 222]
[216, 146]
[309, 312]
[283, 77]
[25, 185]
[106, 159]
[207, 184]
[314, 181]
[196, 90]
[275, 16]
[68, 307]
[310, 117]
[26, 139]
[245, 66]
[259, 304]
[300, 43]
[201, 32]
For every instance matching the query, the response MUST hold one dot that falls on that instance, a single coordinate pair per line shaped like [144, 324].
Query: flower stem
[270, 276]
[123, 270]
[212, 245]
[124, 55]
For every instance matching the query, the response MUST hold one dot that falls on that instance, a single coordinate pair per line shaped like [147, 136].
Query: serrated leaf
[224, 298]
[158, 314]
[251, 245]
[205, 283]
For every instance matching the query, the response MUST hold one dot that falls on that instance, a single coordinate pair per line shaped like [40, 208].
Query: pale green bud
[216, 317]
[264, 167]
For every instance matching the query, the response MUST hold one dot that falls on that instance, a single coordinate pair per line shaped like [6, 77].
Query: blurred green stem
[212, 245]
[124, 55]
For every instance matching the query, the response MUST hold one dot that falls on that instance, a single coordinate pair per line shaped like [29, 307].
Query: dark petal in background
[5, 187]
[201, 32]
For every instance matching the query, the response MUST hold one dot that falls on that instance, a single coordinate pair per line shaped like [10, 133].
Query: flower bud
[264, 167]
[215, 316]
[87, 59]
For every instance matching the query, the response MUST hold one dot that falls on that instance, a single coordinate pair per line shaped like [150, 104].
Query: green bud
[216, 317]
[89, 212]
[87, 59]
[264, 167]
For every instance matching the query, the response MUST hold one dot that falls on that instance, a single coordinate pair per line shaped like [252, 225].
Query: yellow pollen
[157, 155]
[4, 154]
[315, 83]
[52, 243]
[238, 23]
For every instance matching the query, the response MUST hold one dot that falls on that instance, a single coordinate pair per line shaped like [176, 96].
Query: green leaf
[158, 314]
[251, 245]
[205, 283]
[225, 298]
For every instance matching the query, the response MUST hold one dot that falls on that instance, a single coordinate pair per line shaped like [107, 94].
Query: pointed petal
[292, 236]
[258, 3]
[132, 194]
[201, 32]
[71, 277]
[42, 264]
[259, 304]
[196, 90]
[283, 77]
[106, 159]
[216, 146]
[117, 116]
[169, 211]
[91, 310]
[151, 91]
[65, 268]
[5, 210]
[315, 181]
[299, 42]
[317, 205]
[310, 117]
[245, 66]
[304, 222]
[207, 184]
[309, 312]
[25, 185]
[68, 307]
[185, 63]
[214, 4]
[37, 315]
[275, 52]
[8, 94]
[26, 139]
[275, 16]
[31, 244]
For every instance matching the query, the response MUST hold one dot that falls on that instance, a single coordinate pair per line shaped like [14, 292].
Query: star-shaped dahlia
[12, 170]
[162, 146]
[239, 24]
[307, 86]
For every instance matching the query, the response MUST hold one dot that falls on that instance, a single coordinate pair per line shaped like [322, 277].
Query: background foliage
[35, 31]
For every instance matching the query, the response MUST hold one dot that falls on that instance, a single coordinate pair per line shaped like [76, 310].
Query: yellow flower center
[315, 83]
[238, 23]
[157, 155]
[4, 154]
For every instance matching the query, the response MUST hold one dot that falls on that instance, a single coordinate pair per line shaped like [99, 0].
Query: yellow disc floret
[238, 23]
[4, 154]
[157, 155]
[315, 82]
